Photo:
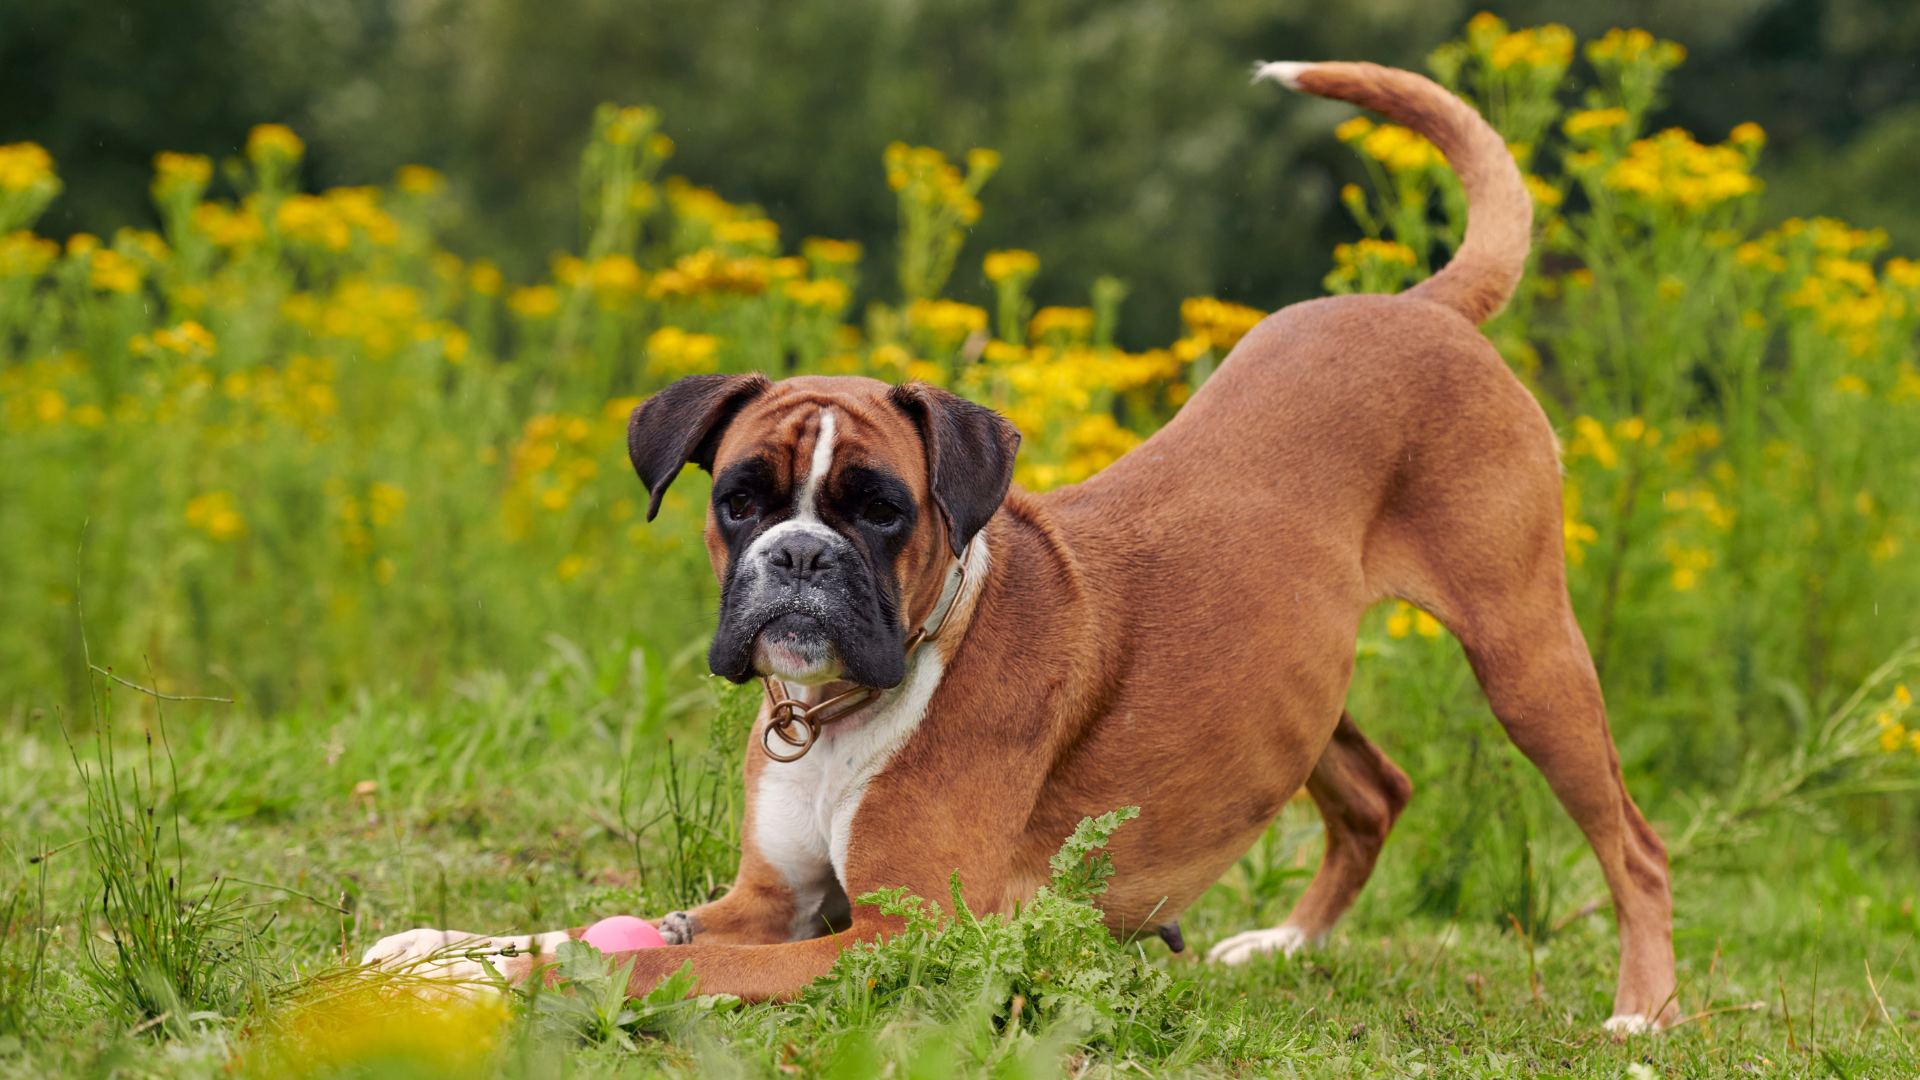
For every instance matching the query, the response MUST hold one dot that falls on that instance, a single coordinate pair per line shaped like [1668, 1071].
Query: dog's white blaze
[804, 810]
[806, 514]
[822, 463]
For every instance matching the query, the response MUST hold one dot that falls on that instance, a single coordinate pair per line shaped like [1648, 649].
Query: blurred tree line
[1133, 143]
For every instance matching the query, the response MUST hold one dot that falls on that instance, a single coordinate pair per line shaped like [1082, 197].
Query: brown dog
[1176, 633]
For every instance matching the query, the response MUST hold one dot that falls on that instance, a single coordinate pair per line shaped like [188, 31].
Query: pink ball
[622, 933]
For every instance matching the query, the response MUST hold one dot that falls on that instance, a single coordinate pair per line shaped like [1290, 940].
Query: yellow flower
[149, 243]
[980, 159]
[1687, 564]
[24, 165]
[1672, 170]
[1408, 619]
[180, 172]
[1628, 46]
[698, 203]
[1001, 265]
[1581, 123]
[1575, 534]
[1064, 323]
[571, 566]
[1892, 737]
[114, 272]
[946, 321]
[1747, 134]
[1549, 46]
[927, 179]
[369, 1030]
[1220, 323]
[758, 235]
[1370, 266]
[832, 252]
[1902, 695]
[49, 406]
[616, 276]
[709, 270]
[23, 254]
[330, 219]
[1544, 193]
[534, 302]
[629, 124]
[1357, 128]
[229, 228]
[672, 352]
[1851, 384]
[828, 294]
[213, 514]
[1590, 439]
[419, 180]
[385, 503]
[273, 140]
[485, 278]
[1400, 149]
[185, 338]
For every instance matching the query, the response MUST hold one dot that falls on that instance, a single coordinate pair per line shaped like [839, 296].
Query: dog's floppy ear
[684, 423]
[970, 452]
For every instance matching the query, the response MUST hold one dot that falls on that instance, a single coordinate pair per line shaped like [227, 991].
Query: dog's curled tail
[1483, 272]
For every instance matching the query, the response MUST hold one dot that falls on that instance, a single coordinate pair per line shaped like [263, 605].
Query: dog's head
[838, 504]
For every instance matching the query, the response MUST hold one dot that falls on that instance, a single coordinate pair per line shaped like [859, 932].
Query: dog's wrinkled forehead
[802, 442]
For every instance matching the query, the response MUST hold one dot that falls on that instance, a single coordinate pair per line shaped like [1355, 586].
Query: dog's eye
[881, 513]
[739, 505]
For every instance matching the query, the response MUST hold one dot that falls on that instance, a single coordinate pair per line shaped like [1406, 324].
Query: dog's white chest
[804, 810]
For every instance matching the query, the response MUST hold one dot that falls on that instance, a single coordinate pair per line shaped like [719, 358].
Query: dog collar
[798, 724]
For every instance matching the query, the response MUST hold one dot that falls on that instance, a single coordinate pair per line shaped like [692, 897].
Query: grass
[502, 810]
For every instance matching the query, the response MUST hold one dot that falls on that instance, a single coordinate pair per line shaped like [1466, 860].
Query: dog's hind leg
[1359, 793]
[1498, 581]
[1532, 662]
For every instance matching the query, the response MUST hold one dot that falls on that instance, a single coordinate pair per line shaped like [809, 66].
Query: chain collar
[798, 724]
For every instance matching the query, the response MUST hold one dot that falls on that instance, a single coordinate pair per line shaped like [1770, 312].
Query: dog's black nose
[801, 554]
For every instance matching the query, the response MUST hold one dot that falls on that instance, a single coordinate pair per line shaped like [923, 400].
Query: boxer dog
[957, 673]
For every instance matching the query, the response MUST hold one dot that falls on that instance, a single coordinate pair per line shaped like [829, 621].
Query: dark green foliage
[1052, 968]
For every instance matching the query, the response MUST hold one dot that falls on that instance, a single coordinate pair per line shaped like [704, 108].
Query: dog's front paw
[454, 963]
[1241, 948]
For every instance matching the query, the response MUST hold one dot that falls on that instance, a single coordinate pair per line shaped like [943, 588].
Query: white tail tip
[1284, 72]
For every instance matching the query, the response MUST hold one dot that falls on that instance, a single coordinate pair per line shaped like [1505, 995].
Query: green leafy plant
[592, 1000]
[1053, 967]
[1862, 748]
